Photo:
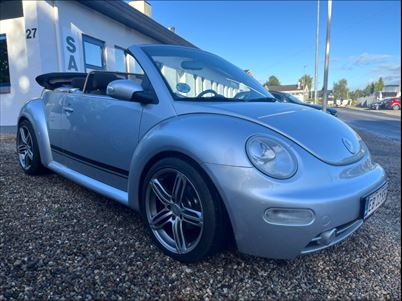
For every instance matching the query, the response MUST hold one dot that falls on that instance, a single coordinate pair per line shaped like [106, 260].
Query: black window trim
[125, 56]
[98, 42]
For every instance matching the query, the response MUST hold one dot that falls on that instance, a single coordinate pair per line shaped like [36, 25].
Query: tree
[366, 91]
[379, 85]
[340, 89]
[272, 81]
[306, 80]
[372, 88]
[356, 94]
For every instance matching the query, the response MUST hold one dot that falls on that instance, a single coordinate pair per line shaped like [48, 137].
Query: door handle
[68, 109]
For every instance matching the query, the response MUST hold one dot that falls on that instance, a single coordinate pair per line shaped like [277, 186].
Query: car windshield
[195, 75]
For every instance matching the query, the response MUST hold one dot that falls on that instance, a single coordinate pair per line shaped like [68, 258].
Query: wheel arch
[199, 138]
[204, 173]
[34, 112]
[194, 137]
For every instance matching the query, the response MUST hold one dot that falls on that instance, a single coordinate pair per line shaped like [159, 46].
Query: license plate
[375, 200]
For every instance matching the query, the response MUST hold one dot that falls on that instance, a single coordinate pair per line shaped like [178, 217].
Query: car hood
[324, 136]
[319, 107]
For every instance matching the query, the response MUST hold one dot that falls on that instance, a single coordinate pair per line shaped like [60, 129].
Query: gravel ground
[61, 241]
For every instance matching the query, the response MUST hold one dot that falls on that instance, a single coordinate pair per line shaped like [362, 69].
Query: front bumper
[333, 193]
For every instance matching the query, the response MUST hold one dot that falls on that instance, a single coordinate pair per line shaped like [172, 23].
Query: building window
[4, 67]
[11, 9]
[120, 59]
[93, 53]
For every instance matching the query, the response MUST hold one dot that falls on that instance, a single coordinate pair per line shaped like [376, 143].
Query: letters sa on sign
[71, 51]
[72, 63]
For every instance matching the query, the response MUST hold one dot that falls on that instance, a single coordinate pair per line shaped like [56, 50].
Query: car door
[102, 136]
[53, 104]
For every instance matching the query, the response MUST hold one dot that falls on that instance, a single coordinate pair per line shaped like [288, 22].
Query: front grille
[341, 233]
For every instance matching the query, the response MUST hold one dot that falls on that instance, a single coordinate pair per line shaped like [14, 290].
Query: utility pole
[316, 52]
[325, 97]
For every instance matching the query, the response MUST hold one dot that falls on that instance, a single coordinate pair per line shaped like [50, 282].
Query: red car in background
[394, 103]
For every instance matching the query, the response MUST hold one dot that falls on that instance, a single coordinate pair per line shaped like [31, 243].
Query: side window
[4, 66]
[97, 80]
[93, 53]
[120, 59]
[133, 66]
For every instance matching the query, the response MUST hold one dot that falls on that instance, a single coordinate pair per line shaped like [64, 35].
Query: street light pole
[316, 51]
[325, 97]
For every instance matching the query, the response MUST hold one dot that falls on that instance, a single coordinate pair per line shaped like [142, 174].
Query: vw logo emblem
[349, 146]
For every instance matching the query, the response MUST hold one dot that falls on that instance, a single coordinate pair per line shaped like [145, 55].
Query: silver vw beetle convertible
[205, 153]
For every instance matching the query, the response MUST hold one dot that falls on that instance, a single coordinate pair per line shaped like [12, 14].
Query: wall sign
[71, 51]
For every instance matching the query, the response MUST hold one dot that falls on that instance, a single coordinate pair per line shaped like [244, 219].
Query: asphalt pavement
[378, 123]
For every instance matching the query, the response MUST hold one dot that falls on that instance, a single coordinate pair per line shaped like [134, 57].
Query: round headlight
[271, 157]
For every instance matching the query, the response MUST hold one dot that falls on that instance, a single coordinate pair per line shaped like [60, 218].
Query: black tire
[212, 237]
[396, 107]
[35, 167]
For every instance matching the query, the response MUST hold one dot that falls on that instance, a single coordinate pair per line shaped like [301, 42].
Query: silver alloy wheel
[25, 147]
[174, 211]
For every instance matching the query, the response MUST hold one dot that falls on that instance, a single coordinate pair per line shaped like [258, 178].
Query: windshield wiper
[262, 99]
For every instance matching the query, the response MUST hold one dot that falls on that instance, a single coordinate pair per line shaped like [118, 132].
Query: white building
[37, 37]
[390, 91]
[297, 90]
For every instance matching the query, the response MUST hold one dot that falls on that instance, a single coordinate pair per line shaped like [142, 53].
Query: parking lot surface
[61, 241]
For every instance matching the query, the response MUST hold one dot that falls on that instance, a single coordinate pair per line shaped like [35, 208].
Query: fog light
[289, 217]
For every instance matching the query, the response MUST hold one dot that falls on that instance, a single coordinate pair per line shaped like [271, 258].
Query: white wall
[21, 57]
[76, 19]
[46, 52]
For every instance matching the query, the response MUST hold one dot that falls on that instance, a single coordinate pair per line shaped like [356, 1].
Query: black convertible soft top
[55, 80]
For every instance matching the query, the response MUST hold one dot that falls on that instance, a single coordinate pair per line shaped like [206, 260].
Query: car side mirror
[125, 89]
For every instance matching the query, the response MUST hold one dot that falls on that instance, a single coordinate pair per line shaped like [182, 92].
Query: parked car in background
[378, 105]
[286, 97]
[343, 103]
[387, 104]
[199, 148]
[393, 104]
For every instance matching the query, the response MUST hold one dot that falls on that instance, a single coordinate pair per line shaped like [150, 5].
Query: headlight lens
[271, 157]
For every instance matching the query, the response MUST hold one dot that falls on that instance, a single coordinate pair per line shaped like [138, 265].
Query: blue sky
[278, 37]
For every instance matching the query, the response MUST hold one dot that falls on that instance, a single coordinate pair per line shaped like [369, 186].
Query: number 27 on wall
[31, 33]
